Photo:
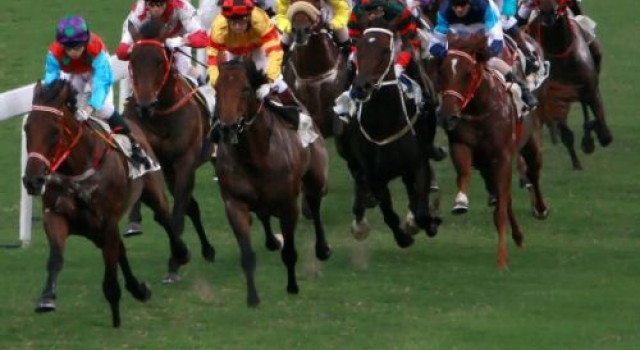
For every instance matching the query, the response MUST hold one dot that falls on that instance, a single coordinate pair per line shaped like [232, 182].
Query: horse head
[150, 63]
[551, 10]
[306, 19]
[375, 58]
[459, 77]
[51, 131]
[237, 104]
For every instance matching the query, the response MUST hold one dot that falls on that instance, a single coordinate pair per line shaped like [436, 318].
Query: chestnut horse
[262, 166]
[389, 138]
[315, 70]
[479, 116]
[574, 76]
[174, 123]
[87, 192]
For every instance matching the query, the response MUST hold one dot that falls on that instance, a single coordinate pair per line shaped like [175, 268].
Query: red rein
[476, 80]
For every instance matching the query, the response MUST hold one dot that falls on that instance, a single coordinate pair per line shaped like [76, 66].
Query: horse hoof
[133, 229]
[360, 230]
[275, 243]
[438, 153]
[605, 138]
[541, 215]
[409, 225]
[253, 301]
[491, 201]
[208, 253]
[588, 145]
[170, 278]
[323, 253]
[459, 209]
[293, 289]
[404, 240]
[45, 305]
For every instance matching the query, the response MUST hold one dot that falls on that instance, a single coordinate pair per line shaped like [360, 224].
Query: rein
[472, 88]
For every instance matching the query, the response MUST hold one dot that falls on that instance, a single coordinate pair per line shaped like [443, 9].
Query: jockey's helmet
[236, 8]
[373, 4]
[459, 2]
[72, 31]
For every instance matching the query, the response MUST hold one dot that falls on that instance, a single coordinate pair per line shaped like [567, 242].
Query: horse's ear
[37, 90]
[135, 34]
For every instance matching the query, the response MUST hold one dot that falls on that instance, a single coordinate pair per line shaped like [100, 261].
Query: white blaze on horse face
[372, 40]
[454, 63]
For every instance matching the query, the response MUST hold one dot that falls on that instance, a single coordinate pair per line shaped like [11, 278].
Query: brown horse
[174, 123]
[262, 166]
[87, 192]
[315, 69]
[480, 119]
[389, 138]
[575, 68]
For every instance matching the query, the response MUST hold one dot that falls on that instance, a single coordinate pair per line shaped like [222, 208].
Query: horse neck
[485, 96]
[317, 57]
[81, 156]
[557, 38]
[386, 104]
[253, 143]
[167, 96]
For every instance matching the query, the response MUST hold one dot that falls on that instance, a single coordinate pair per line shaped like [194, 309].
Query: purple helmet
[72, 31]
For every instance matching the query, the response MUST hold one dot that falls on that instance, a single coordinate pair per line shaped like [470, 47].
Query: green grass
[575, 286]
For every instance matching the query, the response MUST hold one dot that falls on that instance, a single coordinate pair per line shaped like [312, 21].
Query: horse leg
[360, 228]
[567, 139]
[417, 216]
[596, 54]
[553, 131]
[588, 145]
[154, 196]
[313, 197]
[601, 128]
[516, 231]
[489, 185]
[134, 227]
[532, 155]
[289, 255]
[57, 230]
[193, 211]
[272, 242]
[525, 182]
[110, 285]
[138, 290]
[462, 161]
[502, 183]
[238, 215]
[381, 191]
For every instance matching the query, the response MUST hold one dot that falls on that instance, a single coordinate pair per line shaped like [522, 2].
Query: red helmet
[236, 8]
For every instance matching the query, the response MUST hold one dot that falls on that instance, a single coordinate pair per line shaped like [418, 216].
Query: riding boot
[527, 96]
[287, 99]
[117, 123]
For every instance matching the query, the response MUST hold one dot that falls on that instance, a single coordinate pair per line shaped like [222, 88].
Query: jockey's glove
[172, 43]
[263, 91]
[399, 69]
[81, 115]
[438, 51]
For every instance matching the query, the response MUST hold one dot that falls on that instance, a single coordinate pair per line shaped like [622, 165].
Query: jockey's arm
[524, 12]
[51, 69]
[196, 36]
[438, 41]
[493, 30]
[340, 14]
[219, 30]
[282, 22]
[102, 80]
[270, 43]
[124, 48]
[407, 29]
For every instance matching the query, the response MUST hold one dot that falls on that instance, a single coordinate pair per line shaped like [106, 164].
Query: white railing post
[25, 199]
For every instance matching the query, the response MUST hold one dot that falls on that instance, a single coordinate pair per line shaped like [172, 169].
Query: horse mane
[51, 93]
[152, 29]
[255, 77]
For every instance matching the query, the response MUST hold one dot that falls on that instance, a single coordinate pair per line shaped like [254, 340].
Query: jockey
[84, 57]
[527, 6]
[471, 16]
[393, 11]
[508, 9]
[245, 30]
[184, 28]
[338, 24]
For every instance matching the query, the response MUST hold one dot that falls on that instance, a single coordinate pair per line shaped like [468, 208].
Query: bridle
[167, 63]
[476, 79]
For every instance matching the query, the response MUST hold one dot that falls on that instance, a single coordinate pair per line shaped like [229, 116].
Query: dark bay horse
[480, 119]
[174, 123]
[390, 138]
[575, 68]
[315, 69]
[87, 192]
[262, 166]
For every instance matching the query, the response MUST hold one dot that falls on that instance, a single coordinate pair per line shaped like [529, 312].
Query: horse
[479, 117]
[86, 192]
[389, 138]
[315, 69]
[574, 76]
[262, 166]
[174, 123]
